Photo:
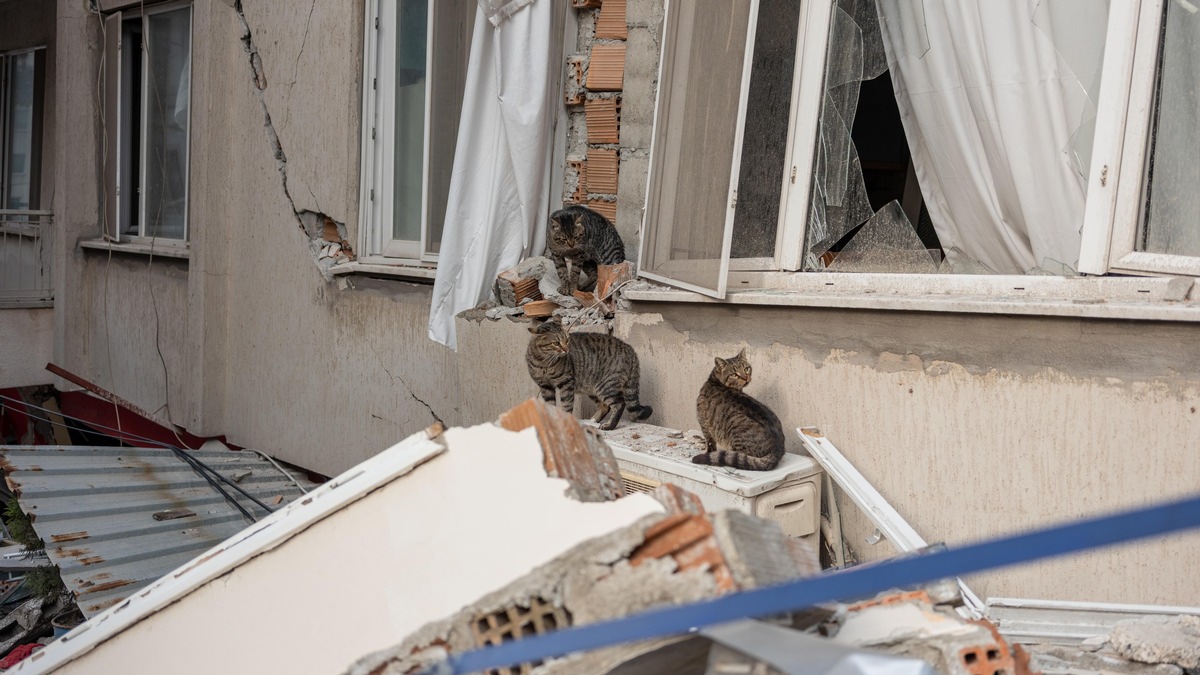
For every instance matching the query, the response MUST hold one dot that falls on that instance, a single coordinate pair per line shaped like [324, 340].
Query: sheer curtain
[996, 97]
[499, 187]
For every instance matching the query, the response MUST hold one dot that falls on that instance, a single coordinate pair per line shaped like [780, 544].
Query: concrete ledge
[138, 248]
[401, 270]
[1126, 298]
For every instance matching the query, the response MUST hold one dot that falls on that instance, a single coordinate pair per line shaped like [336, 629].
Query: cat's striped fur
[580, 239]
[599, 365]
[739, 430]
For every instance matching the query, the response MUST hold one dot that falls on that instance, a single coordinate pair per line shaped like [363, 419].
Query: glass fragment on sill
[958, 262]
[1171, 199]
[1053, 268]
[1078, 30]
[887, 242]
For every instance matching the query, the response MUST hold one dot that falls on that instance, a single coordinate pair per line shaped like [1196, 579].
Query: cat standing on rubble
[739, 430]
[580, 239]
[596, 364]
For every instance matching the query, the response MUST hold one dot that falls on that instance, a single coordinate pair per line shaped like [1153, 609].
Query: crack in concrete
[411, 393]
[304, 217]
[287, 106]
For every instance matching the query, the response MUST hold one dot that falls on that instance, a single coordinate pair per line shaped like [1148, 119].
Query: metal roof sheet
[95, 506]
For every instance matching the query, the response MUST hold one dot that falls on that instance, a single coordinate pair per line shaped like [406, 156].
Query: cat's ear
[579, 226]
[720, 362]
[741, 354]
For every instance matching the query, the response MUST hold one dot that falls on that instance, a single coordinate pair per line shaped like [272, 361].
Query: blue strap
[843, 585]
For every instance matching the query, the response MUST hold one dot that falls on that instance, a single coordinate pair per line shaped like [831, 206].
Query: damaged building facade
[227, 252]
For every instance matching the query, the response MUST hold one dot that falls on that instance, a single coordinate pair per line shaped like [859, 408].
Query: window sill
[182, 252]
[1130, 298]
[387, 267]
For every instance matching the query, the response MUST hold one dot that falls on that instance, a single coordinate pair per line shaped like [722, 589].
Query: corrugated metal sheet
[95, 506]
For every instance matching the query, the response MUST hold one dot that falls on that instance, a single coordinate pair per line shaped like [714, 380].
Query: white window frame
[1113, 201]
[1121, 154]
[378, 138]
[116, 144]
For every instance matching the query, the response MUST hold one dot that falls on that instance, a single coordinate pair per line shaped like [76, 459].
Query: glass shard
[885, 243]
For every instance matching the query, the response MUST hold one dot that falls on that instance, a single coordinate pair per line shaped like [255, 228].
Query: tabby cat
[739, 431]
[599, 365]
[579, 239]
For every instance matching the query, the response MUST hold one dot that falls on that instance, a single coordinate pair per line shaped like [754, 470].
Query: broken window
[417, 55]
[894, 136]
[147, 69]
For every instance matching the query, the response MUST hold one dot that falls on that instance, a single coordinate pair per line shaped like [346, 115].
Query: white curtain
[499, 189]
[997, 97]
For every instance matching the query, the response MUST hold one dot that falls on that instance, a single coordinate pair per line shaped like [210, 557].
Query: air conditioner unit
[789, 494]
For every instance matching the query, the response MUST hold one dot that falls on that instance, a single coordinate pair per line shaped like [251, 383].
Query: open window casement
[692, 197]
[742, 91]
[1143, 201]
[416, 60]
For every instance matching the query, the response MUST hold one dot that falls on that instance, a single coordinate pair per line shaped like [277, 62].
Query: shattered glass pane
[839, 199]
[764, 142]
[1078, 30]
[886, 243]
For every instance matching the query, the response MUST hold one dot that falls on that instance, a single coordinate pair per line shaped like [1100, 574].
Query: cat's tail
[737, 460]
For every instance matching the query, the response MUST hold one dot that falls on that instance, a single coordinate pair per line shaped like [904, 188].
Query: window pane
[412, 31]
[695, 134]
[453, 23]
[168, 101]
[760, 178]
[20, 142]
[1170, 223]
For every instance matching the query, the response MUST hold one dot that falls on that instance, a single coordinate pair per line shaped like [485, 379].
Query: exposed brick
[602, 171]
[611, 22]
[602, 120]
[606, 67]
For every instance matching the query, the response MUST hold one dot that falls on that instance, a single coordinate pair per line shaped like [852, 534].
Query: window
[416, 66]
[147, 72]
[22, 87]
[1145, 216]
[888, 136]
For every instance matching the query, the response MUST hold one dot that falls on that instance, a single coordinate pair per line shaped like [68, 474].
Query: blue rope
[842, 585]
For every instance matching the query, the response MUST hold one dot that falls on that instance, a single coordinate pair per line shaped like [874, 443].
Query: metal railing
[25, 253]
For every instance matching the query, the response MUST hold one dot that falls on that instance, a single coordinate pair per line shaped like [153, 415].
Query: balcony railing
[25, 253]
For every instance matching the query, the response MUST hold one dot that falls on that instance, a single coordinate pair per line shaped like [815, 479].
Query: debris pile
[531, 289]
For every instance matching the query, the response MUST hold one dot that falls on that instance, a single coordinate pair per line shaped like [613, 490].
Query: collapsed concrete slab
[421, 530]
[680, 557]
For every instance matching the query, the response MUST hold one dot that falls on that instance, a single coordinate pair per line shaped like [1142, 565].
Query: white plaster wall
[971, 426]
[26, 346]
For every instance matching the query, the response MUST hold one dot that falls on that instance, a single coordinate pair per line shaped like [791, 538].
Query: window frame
[116, 145]
[36, 158]
[378, 124]
[1121, 150]
[1112, 206]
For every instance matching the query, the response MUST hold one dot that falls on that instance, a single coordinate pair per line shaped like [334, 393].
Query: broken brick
[570, 451]
[540, 308]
